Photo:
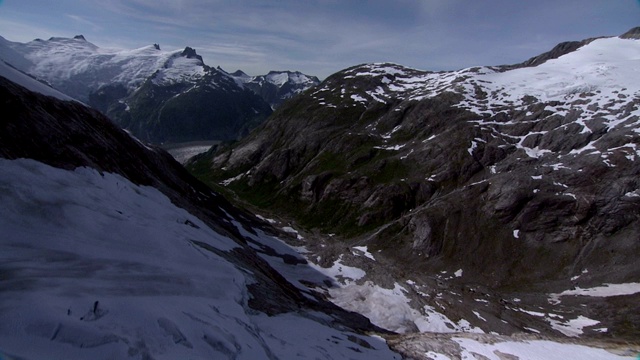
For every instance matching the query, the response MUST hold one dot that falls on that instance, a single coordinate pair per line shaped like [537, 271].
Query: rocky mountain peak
[277, 86]
[80, 37]
[238, 73]
[190, 53]
[632, 34]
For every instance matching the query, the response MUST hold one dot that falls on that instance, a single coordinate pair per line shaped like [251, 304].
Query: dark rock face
[559, 50]
[189, 53]
[440, 171]
[631, 34]
[212, 108]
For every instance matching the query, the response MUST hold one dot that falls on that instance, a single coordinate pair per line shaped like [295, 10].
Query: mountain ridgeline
[525, 176]
[159, 96]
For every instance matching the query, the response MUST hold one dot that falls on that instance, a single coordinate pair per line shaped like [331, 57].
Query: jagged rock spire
[190, 53]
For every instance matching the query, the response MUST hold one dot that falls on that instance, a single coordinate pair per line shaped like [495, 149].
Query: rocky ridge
[521, 179]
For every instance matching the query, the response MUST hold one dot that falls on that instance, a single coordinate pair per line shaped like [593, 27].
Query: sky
[325, 36]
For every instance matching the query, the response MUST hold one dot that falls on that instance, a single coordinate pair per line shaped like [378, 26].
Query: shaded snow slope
[102, 268]
[8, 54]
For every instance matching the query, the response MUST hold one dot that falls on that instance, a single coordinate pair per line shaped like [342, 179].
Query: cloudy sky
[324, 36]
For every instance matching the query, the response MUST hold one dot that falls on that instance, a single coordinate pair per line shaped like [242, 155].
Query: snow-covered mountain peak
[595, 85]
[179, 69]
[134, 86]
[604, 65]
[78, 67]
[276, 86]
[279, 78]
[190, 53]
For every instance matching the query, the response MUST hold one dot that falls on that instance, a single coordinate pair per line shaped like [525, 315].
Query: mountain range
[489, 212]
[157, 95]
[511, 182]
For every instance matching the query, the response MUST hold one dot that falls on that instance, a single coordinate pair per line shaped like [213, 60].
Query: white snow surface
[532, 350]
[572, 327]
[365, 251]
[278, 79]
[387, 308]
[101, 268]
[606, 290]
[605, 65]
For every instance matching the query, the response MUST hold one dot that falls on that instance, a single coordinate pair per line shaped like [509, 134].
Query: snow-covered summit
[78, 67]
[279, 78]
[277, 86]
